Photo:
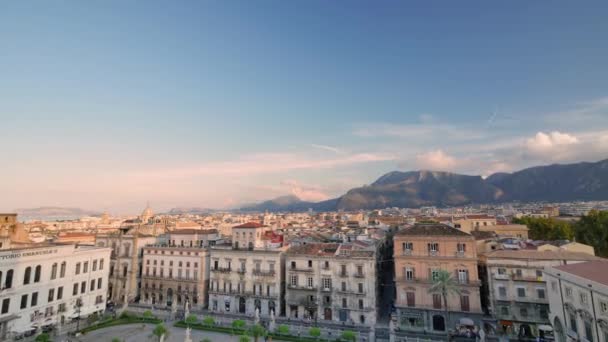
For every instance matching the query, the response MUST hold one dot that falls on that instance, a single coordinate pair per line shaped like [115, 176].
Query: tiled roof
[593, 270]
[194, 231]
[250, 225]
[321, 249]
[431, 229]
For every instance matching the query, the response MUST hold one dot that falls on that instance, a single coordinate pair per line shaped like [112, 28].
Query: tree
[238, 324]
[244, 338]
[148, 314]
[159, 330]
[540, 228]
[205, 340]
[209, 321]
[314, 332]
[283, 329]
[257, 331]
[44, 337]
[191, 319]
[116, 339]
[444, 284]
[348, 335]
[592, 229]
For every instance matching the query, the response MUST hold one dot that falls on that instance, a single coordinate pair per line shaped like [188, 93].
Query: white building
[578, 298]
[50, 285]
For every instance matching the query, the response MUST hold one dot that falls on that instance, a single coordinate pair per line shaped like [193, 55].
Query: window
[75, 290]
[502, 291]
[359, 270]
[34, 299]
[6, 302]
[434, 274]
[51, 295]
[59, 292]
[8, 282]
[293, 265]
[360, 287]
[326, 283]
[540, 293]
[588, 331]
[54, 271]
[463, 276]
[37, 274]
[409, 273]
[436, 301]
[343, 270]
[407, 247]
[523, 312]
[572, 318]
[83, 287]
[504, 310]
[502, 271]
[309, 263]
[360, 304]
[24, 301]
[544, 314]
[27, 275]
[294, 280]
[343, 287]
[604, 307]
[326, 265]
[569, 292]
[583, 297]
[62, 271]
[344, 302]
[464, 303]
[433, 248]
[85, 267]
[411, 299]
[521, 292]
[77, 268]
[461, 247]
[554, 286]
[539, 273]
[518, 272]
[94, 268]
[309, 282]
[92, 286]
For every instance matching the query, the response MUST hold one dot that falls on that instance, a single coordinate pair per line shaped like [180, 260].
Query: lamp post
[78, 307]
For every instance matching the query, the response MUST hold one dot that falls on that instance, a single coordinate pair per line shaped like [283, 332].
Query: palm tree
[445, 284]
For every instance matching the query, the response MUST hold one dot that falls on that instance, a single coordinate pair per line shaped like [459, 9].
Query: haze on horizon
[108, 105]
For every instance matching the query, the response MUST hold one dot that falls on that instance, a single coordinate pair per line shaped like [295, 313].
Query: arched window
[37, 273]
[54, 271]
[8, 282]
[62, 271]
[27, 275]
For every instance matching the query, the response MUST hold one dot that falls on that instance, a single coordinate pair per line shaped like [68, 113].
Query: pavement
[143, 332]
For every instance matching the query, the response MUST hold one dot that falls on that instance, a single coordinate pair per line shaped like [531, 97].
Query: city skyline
[109, 105]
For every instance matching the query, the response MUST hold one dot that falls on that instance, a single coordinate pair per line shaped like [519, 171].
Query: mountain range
[413, 189]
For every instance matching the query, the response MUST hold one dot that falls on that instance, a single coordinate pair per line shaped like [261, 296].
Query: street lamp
[78, 307]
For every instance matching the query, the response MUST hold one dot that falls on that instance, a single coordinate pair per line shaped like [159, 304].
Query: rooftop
[431, 229]
[193, 231]
[588, 270]
[540, 255]
[250, 225]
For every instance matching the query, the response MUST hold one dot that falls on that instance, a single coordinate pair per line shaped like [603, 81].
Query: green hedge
[227, 330]
[126, 319]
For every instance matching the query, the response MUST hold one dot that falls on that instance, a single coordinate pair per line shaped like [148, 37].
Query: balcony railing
[359, 275]
[264, 273]
[298, 287]
[295, 269]
[221, 269]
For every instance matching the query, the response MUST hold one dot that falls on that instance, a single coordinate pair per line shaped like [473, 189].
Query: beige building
[12, 232]
[248, 235]
[419, 253]
[177, 272]
[471, 222]
[125, 262]
[569, 247]
[517, 289]
[578, 299]
[331, 282]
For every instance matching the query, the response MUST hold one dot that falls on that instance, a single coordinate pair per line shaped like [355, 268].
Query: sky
[106, 105]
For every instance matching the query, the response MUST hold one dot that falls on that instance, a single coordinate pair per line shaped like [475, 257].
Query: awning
[545, 327]
[466, 321]
[507, 323]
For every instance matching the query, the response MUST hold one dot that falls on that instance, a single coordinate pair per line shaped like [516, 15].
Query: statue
[272, 324]
[187, 310]
[256, 317]
[188, 338]
[173, 307]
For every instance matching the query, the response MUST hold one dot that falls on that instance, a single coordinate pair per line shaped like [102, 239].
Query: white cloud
[327, 148]
[545, 142]
[436, 160]
[305, 192]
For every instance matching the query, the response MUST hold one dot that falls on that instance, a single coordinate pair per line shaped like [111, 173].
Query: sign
[27, 253]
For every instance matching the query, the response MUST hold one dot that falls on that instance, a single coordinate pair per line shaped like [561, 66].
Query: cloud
[305, 192]
[545, 142]
[436, 160]
[327, 148]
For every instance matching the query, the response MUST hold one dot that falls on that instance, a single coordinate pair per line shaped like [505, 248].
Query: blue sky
[108, 104]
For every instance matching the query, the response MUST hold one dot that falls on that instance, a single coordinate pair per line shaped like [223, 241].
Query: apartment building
[50, 284]
[420, 252]
[516, 287]
[247, 275]
[177, 272]
[578, 301]
[331, 282]
[125, 262]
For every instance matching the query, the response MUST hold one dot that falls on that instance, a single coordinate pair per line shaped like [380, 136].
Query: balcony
[498, 276]
[343, 275]
[221, 270]
[295, 269]
[261, 273]
[517, 277]
[359, 275]
[460, 254]
[407, 252]
[304, 288]
[241, 271]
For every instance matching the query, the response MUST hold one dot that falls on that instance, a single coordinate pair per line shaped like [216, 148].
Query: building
[177, 271]
[243, 280]
[248, 235]
[12, 232]
[578, 301]
[516, 288]
[420, 252]
[50, 284]
[331, 282]
[126, 262]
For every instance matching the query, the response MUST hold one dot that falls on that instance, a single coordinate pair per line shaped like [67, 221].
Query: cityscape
[312, 171]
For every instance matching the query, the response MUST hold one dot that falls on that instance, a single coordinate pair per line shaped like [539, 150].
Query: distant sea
[28, 218]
